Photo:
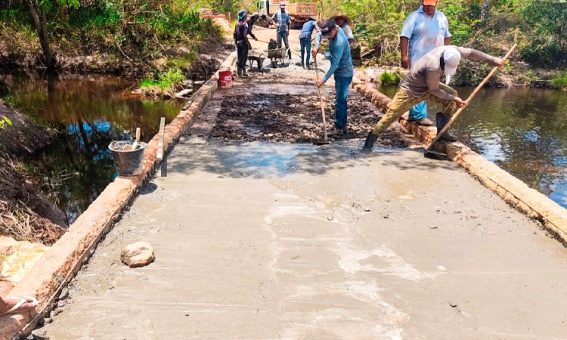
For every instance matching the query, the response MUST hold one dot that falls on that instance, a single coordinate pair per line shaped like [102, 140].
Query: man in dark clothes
[242, 43]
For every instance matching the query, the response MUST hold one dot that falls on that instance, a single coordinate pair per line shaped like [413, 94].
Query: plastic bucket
[225, 78]
[127, 163]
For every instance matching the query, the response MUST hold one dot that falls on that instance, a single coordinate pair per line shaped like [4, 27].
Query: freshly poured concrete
[256, 241]
[299, 241]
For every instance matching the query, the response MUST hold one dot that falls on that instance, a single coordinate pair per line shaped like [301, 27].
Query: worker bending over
[423, 82]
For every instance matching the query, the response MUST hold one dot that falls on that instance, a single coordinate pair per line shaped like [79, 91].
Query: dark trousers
[341, 89]
[242, 54]
[305, 47]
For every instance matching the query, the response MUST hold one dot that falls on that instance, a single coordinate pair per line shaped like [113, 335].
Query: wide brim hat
[342, 16]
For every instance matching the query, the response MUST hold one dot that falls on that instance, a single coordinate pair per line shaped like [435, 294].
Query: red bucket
[225, 78]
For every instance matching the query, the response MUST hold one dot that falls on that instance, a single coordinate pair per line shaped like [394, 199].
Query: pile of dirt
[294, 119]
[25, 214]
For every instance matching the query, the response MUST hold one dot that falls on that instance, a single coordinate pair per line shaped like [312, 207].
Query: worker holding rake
[423, 82]
[341, 68]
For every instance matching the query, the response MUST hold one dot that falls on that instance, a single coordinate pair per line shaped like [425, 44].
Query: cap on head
[327, 28]
[282, 5]
[242, 14]
[429, 2]
[452, 57]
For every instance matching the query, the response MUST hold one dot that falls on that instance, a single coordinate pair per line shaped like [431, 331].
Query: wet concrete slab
[260, 240]
[270, 240]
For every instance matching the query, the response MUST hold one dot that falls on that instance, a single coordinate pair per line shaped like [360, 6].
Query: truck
[298, 11]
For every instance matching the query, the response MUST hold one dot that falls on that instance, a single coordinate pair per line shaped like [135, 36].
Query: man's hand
[500, 62]
[319, 83]
[405, 62]
[460, 102]
[314, 53]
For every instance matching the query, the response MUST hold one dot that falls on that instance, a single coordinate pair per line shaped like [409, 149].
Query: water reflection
[521, 130]
[87, 113]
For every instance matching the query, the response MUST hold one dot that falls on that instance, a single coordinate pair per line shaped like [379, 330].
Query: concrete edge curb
[66, 257]
[512, 190]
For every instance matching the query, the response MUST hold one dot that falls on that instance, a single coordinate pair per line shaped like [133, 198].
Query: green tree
[39, 10]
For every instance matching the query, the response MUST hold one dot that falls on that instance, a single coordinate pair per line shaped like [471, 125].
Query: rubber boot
[289, 53]
[244, 73]
[442, 120]
[369, 142]
[239, 72]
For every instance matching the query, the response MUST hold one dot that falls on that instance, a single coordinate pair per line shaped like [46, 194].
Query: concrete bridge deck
[261, 240]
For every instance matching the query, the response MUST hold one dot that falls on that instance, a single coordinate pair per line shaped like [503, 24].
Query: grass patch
[164, 81]
[390, 78]
[560, 81]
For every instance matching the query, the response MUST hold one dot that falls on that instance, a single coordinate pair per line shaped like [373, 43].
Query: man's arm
[433, 78]
[405, 35]
[474, 55]
[404, 46]
[337, 54]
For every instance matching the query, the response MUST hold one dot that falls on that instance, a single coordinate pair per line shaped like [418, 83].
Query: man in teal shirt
[341, 68]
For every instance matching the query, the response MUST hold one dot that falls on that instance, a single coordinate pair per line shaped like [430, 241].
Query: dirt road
[258, 236]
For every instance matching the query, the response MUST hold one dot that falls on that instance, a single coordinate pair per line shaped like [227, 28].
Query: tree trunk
[484, 10]
[40, 22]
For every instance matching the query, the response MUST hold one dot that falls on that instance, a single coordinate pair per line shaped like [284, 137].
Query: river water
[524, 131]
[87, 113]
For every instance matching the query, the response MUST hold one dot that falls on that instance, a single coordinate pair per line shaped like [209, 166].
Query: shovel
[324, 141]
[429, 153]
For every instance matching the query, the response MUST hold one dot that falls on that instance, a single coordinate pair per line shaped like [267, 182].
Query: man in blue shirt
[305, 41]
[341, 68]
[423, 30]
[283, 21]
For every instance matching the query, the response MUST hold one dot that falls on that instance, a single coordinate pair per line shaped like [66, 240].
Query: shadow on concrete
[261, 159]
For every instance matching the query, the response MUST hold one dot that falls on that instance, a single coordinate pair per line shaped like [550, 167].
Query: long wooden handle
[138, 134]
[471, 96]
[321, 102]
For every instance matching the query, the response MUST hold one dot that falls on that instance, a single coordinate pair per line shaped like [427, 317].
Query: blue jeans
[419, 111]
[305, 46]
[341, 88]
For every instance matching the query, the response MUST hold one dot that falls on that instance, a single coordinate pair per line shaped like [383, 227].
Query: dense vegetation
[486, 24]
[135, 30]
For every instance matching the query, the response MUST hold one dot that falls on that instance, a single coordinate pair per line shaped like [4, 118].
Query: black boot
[239, 72]
[369, 142]
[442, 120]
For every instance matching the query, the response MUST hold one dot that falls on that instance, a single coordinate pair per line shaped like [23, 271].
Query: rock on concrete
[137, 254]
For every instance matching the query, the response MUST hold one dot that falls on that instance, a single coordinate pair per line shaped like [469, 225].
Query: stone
[183, 93]
[137, 254]
[64, 294]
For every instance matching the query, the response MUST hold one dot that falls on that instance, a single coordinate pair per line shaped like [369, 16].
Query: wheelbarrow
[259, 59]
[278, 55]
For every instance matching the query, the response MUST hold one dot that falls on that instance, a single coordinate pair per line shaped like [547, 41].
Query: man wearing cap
[242, 43]
[341, 68]
[305, 40]
[423, 30]
[423, 82]
[283, 20]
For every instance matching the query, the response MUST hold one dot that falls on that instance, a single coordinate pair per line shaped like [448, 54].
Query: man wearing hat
[343, 22]
[423, 82]
[423, 30]
[341, 68]
[242, 43]
[283, 21]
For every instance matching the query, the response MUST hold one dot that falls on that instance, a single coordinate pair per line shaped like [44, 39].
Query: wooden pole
[321, 102]
[471, 96]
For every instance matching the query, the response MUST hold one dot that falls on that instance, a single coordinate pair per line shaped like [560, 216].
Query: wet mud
[289, 118]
